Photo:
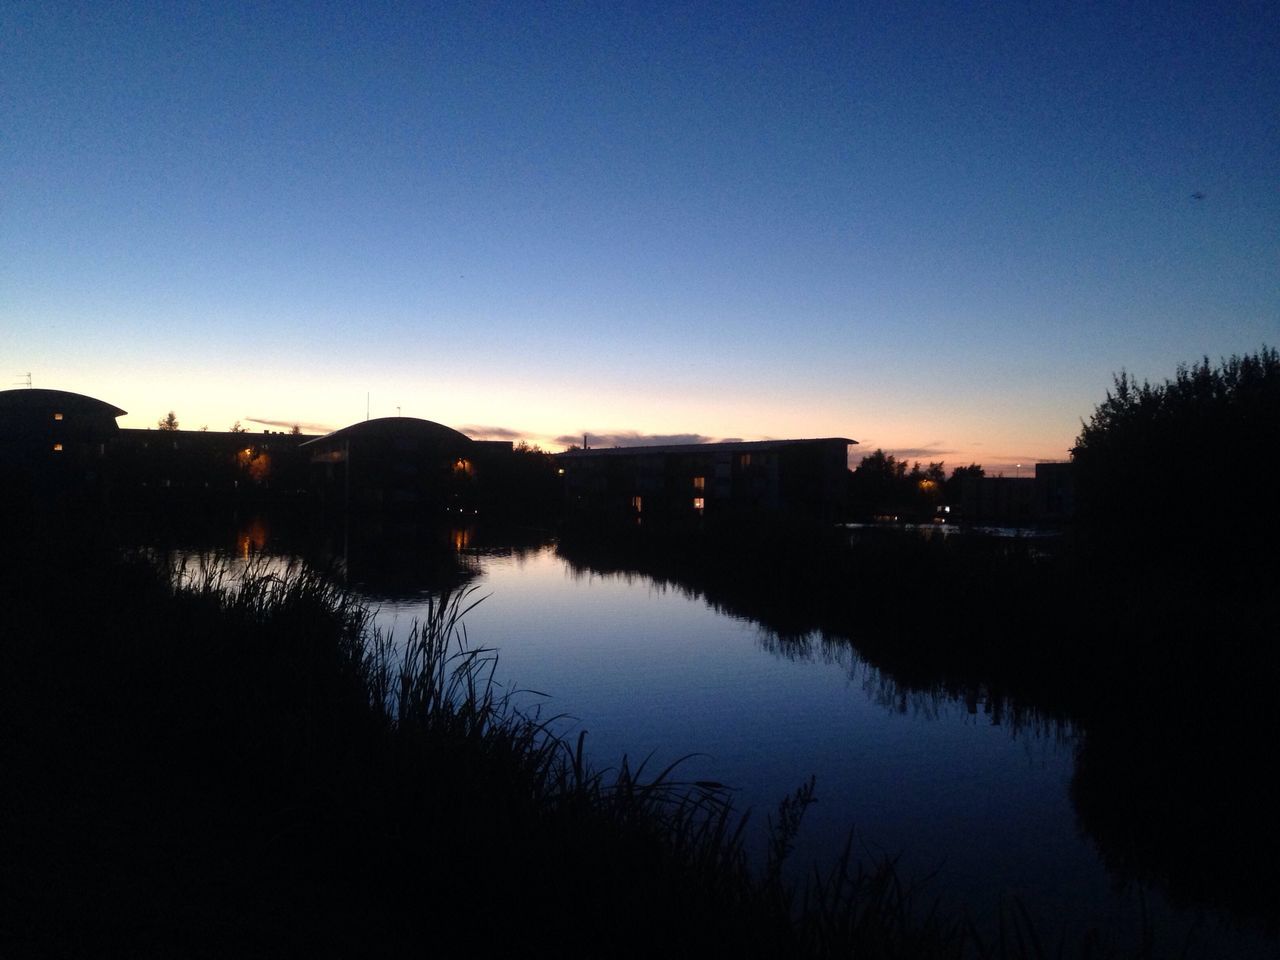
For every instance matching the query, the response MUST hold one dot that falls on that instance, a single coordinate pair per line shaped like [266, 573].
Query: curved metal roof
[35, 398]
[390, 428]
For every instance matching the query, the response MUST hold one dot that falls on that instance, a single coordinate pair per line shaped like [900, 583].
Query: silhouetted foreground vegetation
[245, 768]
[1184, 464]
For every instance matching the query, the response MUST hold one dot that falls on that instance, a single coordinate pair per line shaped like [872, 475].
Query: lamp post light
[1017, 500]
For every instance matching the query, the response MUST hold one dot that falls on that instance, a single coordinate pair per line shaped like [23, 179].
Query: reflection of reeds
[239, 764]
[1160, 671]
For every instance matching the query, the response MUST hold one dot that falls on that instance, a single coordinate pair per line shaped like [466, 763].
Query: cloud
[931, 450]
[290, 424]
[921, 453]
[632, 438]
[478, 432]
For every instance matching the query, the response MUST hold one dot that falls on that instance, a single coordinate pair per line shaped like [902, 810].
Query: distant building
[800, 477]
[178, 464]
[53, 441]
[1046, 498]
[397, 462]
[1055, 491]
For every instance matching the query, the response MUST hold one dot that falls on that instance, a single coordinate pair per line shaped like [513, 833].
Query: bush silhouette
[1185, 460]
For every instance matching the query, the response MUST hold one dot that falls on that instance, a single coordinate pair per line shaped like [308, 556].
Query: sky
[937, 229]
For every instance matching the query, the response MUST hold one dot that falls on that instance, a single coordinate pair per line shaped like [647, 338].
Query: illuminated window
[744, 459]
[699, 483]
[699, 504]
[57, 416]
[637, 504]
[57, 448]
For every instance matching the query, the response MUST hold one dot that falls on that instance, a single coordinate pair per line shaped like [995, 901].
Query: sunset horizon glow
[934, 230]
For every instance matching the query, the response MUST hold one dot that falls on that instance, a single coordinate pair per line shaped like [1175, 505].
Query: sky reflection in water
[646, 669]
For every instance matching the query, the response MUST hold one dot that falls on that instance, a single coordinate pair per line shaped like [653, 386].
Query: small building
[1055, 491]
[797, 477]
[400, 462]
[1047, 498]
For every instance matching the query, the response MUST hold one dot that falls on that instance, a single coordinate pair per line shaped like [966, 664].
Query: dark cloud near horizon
[290, 424]
[929, 451]
[478, 432]
[632, 438]
[920, 453]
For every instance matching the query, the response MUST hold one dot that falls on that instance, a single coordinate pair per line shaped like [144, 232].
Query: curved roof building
[394, 461]
[35, 410]
[404, 433]
[53, 440]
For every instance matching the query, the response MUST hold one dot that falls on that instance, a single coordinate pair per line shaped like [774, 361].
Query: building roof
[390, 428]
[35, 398]
[728, 446]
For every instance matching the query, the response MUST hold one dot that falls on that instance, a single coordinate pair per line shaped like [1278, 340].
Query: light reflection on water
[645, 669]
[952, 787]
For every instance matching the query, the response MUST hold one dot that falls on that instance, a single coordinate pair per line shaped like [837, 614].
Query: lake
[979, 803]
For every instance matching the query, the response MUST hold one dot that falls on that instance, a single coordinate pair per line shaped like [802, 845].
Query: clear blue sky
[938, 229]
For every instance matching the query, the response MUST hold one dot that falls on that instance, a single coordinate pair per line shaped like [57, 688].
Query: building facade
[54, 441]
[798, 477]
[401, 462]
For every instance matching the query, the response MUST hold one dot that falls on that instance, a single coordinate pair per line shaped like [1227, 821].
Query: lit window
[699, 504]
[744, 459]
[57, 448]
[699, 483]
[57, 416]
[637, 504]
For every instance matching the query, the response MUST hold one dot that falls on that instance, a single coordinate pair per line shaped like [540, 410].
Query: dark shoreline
[120, 604]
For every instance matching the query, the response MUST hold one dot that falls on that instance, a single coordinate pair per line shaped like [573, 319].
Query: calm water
[650, 670]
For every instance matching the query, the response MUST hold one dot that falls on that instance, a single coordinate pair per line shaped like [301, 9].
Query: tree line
[884, 486]
[1186, 459]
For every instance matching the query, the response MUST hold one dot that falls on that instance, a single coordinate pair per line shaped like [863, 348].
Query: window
[699, 483]
[637, 504]
[699, 504]
[744, 460]
[57, 416]
[57, 448]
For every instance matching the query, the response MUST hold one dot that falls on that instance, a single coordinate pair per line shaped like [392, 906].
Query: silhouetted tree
[954, 487]
[295, 430]
[882, 486]
[527, 485]
[1181, 460]
[168, 422]
[236, 428]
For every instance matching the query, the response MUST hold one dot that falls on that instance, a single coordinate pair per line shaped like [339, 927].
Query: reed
[206, 764]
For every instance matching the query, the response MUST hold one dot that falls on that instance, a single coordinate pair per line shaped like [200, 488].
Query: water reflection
[926, 752]
[1171, 780]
